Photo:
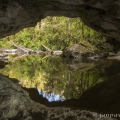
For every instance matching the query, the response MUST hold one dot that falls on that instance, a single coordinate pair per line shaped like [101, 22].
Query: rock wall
[101, 15]
[15, 104]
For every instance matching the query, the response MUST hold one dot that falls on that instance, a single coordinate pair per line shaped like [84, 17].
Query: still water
[57, 78]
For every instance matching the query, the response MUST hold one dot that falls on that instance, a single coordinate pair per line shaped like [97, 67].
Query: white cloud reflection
[51, 96]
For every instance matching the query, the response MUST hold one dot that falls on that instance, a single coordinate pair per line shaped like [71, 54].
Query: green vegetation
[57, 33]
[54, 74]
[60, 76]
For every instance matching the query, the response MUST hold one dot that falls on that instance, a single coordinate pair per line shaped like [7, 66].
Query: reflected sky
[57, 78]
[51, 96]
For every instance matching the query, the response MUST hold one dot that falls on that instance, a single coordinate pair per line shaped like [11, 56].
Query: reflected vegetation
[60, 78]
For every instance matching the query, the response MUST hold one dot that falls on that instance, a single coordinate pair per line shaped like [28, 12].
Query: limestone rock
[101, 15]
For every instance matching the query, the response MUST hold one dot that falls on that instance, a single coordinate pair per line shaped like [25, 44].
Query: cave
[101, 15]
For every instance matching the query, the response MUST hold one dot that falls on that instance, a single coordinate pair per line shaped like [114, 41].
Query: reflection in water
[51, 96]
[58, 79]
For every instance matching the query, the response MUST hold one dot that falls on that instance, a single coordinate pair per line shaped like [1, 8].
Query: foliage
[57, 33]
[51, 74]
[56, 75]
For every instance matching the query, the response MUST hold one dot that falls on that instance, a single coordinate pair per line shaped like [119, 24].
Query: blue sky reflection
[51, 96]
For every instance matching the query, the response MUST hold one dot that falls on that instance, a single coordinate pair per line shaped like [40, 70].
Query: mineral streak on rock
[101, 15]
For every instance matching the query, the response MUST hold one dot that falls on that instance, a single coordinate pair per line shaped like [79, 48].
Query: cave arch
[102, 16]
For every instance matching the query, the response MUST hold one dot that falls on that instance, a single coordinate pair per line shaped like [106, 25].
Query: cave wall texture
[15, 104]
[101, 15]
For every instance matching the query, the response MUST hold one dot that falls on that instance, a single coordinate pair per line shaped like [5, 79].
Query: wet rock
[83, 50]
[113, 55]
[15, 104]
[103, 97]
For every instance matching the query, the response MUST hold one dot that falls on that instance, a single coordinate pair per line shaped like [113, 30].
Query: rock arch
[101, 15]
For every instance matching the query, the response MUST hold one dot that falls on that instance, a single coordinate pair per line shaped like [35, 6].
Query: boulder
[82, 50]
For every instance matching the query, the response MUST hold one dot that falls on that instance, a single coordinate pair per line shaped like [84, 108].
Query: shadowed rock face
[103, 98]
[101, 15]
[15, 104]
